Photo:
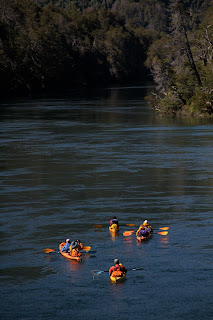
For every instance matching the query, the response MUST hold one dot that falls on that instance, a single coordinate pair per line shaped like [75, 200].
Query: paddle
[86, 248]
[127, 224]
[47, 250]
[163, 233]
[129, 233]
[97, 272]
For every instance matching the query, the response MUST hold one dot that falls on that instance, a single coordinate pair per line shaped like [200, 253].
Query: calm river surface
[70, 163]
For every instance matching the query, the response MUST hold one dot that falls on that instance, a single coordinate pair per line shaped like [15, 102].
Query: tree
[178, 61]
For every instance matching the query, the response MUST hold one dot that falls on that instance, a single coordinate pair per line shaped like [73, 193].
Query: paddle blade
[96, 273]
[87, 248]
[164, 228]
[128, 233]
[130, 224]
[163, 233]
[98, 226]
[89, 251]
[47, 250]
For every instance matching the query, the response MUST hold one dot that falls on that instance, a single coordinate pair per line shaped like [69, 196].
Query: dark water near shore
[67, 164]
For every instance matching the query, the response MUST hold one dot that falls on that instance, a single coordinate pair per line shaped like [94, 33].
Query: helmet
[68, 240]
[116, 261]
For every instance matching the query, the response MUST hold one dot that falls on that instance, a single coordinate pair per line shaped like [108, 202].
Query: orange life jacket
[75, 253]
[117, 272]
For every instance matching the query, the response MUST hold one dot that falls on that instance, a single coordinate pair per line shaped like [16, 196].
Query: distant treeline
[49, 44]
[45, 46]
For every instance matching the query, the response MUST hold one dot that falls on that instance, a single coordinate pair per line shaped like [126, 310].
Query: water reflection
[113, 235]
[129, 242]
[164, 241]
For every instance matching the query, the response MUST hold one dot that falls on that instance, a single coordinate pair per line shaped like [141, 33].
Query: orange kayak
[66, 254]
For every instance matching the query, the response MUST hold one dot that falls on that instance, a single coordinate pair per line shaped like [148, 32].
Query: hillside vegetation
[49, 44]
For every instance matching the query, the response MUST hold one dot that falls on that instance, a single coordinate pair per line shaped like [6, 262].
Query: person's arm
[63, 249]
[123, 269]
[111, 270]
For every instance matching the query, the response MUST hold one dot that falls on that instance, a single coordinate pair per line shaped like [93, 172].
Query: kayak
[66, 254]
[142, 238]
[118, 279]
[113, 228]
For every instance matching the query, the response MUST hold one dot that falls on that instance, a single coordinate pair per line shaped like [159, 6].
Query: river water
[68, 164]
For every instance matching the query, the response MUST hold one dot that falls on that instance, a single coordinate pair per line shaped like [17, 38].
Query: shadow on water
[21, 275]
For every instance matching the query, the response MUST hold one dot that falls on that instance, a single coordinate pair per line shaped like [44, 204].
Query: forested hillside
[181, 60]
[48, 44]
[45, 46]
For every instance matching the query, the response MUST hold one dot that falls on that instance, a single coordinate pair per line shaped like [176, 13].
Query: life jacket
[74, 252]
[114, 226]
[117, 271]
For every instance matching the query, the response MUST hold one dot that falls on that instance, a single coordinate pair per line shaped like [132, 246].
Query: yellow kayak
[118, 279]
[113, 228]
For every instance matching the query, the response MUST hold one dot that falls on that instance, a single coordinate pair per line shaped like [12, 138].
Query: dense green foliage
[47, 47]
[182, 60]
[48, 44]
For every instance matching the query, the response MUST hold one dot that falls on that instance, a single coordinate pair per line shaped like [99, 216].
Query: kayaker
[143, 232]
[117, 270]
[114, 221]
[66, 247]
[75, 247]
[145, 226]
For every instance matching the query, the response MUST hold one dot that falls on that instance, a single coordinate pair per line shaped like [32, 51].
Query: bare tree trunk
[191, 58]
